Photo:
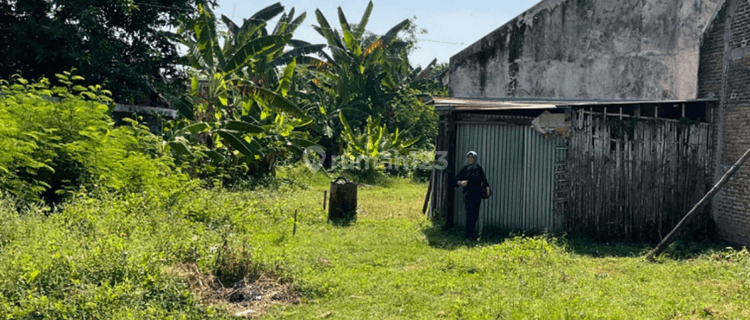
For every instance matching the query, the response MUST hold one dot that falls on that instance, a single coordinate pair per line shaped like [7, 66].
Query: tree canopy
[118, 42]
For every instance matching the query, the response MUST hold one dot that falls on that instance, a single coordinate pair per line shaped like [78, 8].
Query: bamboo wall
[634, 178]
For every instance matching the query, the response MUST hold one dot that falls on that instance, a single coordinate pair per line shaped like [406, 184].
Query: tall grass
[111, 256]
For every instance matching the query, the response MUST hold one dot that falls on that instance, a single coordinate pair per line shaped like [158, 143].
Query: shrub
[419, 166]
[61, 140]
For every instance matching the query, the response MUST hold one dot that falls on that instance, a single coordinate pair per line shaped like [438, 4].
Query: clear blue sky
[459, 22]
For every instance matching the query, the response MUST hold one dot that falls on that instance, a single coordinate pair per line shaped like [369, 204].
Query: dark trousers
[472, 200]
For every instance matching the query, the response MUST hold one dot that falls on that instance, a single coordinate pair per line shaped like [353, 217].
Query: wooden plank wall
[441, 179]
[634, 178]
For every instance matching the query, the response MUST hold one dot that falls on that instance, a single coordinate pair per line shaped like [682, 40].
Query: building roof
[474, 104]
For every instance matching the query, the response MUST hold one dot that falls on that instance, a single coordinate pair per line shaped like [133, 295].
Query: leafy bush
[372, 150]
[415, 118]
[61, 140]
[420, 166]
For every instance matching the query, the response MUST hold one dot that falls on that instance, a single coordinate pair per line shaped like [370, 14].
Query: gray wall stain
[587, 49]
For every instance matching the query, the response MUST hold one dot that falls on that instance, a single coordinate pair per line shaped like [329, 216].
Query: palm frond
[363, 23]
[326, 31]
[252, 50]
[231, 26]
[294, 24]
[393, 32]
[286, 81]
[297, 52]
[268, 13]
[274, 100]
[207, 41]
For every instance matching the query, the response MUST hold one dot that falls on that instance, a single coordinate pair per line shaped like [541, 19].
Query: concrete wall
[588, 49]
[724, 73]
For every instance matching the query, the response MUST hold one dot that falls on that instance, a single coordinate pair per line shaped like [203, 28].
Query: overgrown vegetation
[104, 222]
[118, 256]
[130, 223]
[365, 76]
[53, 150]
[251, 104]
[240, 121]
[367, 149]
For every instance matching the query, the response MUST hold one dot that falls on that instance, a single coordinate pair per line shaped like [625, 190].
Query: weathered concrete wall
[725, 74]
[588, 49]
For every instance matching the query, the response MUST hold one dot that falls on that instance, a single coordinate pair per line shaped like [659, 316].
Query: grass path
[394, 264]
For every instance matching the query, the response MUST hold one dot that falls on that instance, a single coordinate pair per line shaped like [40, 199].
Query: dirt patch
[244, 298]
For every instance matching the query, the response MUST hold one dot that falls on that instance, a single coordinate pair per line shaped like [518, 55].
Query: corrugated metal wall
[521, 167]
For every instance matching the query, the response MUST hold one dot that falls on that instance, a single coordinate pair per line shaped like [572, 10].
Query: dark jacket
[475, 178]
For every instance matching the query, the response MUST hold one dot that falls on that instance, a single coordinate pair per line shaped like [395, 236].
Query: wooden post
[670, 237]
[294, 230]
[683, 110]
[325, 197]
[429, 190]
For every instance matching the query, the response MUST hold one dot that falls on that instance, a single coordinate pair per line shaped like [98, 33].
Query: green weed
[110, 256]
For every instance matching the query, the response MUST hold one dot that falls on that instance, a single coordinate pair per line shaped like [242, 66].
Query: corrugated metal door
[541, 178]
[520, 166]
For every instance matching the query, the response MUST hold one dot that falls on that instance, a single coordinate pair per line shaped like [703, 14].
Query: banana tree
[359, 78]
[374, 145]
[356, 71]
[228, 114]
[264, 70]
[225, 76]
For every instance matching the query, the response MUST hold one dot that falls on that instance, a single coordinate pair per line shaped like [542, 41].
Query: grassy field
[115, 258]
